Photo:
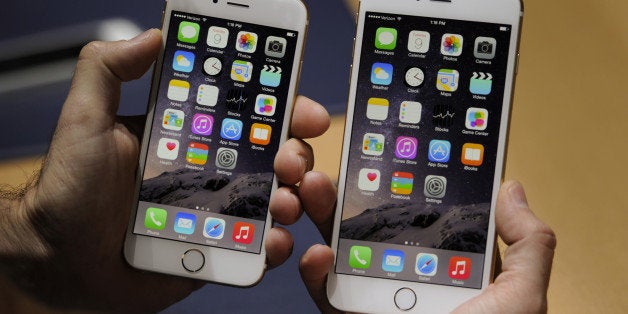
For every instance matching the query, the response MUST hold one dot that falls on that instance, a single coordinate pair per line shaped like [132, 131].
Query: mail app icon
[184, 223]
[393, 261]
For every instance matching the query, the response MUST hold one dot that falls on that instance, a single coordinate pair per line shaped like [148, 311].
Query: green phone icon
[360, 257]
[188, 32]
[386, 38]
[155, 218]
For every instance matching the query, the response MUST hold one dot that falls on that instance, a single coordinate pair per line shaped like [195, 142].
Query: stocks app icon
[443, 116]
[237, 99]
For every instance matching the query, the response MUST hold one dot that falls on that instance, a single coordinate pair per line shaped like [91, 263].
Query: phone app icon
[231, 129]
[451, 45]
[246, 42]
[360, 257]
[377, 109]
[481, 83]
[418, 41]
[265, 105]
[485, 47]
[168, 149]
[270, 76]
[207, 95]
[173, 119]
[368, 179]
[393, 261]
[184, 223]
[386, 38]
[406, 147]
[197, 154]
[459, 268]
[443, 116]
[178, 90]
[241, 71]
[212, 66]
[477, 119]
[214, 228]
[188, 32]
[243, 232]
[183, 61]
[402, 183]
[260, 134]
[155, 218]
[426, 264]
[217, 37]
[447, 80]
[439, 151]
[226, 158]
[275, 46]
[472, 154]
[381, 73]
[202, 124]
[373, 144]
[410, 112]
[237, 99]
[435, 186]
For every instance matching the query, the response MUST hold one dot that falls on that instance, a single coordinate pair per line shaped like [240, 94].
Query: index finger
[309, 119]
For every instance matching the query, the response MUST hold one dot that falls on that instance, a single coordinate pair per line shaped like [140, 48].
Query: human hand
[522, 284]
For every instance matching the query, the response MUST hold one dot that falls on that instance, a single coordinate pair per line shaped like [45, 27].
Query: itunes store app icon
[202, 124]
[368, 179]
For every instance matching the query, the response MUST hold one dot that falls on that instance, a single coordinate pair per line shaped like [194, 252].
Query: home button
[193, 260]
[405, 299]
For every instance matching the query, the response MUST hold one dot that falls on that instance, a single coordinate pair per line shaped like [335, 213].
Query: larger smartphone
[423, 153]
[220, 107]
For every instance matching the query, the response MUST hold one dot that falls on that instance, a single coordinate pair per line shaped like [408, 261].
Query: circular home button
[193, 260]
[405, 299]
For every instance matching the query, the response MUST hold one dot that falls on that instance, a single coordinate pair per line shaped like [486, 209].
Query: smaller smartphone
[220, 105]
[423, 155]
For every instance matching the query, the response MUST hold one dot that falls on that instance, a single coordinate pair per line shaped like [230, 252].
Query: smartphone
[220, 106]
[423, 154]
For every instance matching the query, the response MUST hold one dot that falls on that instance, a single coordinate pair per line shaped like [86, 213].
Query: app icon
[217, 37]
[241, 71]
[168, 149]
[377, 108]
[237, 99]
[243, 232]
[459, 268]
[155, 218]
[435, 186]
[481, 83]
[410, 112]
[212, 66]
[202, 124]
[477, 119]
[207, 95]
[214, 228]
[260, 134]
[226, 158]
[418, 41]
[270, 76]
[406, 147]
[451, 45]
[402, 183]
[485, 47]
[426, 264]
[197, 154]
[472, 154]
[368, 179]
[386, 38]
[443, 116]
[439, 151]
[173, 119]
[184, 223]
[183, 61]
[178, 90]
[275, 47]
[265, 105]
[246, 42]
[373, 144]
[381, 73]
[393, 261]
[414, 77]
[188, 32]
[360, 257]
[231, 129]
[447, 80]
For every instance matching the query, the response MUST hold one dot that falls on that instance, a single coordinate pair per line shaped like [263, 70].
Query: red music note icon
[459, 268]
[243, 232]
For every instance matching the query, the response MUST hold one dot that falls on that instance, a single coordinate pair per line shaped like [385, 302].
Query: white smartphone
[220, 106]
[423, 155]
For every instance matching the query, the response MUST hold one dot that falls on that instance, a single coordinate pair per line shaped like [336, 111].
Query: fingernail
[302, 164]
[518, 195]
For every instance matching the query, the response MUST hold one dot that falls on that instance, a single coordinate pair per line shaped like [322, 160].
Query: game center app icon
[477, 119]
[373, 144]
[246, 42]
[426, 264]
[168, 149]
[265, 105]
[173, 119]
[214, 228]
[459, 268]
[451, 45]
[243, 232]
[183, 61]
[368, 179]
[188, 32]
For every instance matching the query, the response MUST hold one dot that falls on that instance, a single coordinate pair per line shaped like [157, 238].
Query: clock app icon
[414, 77]
[212, 66]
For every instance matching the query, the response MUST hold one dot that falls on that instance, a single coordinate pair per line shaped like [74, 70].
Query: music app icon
[406, 147]
[459, 268]
[202, 124]
[243, 232]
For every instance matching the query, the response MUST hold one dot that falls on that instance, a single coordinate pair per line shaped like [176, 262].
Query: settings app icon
[226, 158]
[435, 186]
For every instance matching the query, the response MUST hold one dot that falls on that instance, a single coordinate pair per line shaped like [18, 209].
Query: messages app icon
[188, 32]
[393, 261]
[386, 38]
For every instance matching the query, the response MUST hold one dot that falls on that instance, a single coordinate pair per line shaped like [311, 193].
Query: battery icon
[503, 28]
[290, 34]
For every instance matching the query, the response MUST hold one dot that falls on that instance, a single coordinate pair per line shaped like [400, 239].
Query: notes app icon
[178, 90]
[243, 232]
[377, 109]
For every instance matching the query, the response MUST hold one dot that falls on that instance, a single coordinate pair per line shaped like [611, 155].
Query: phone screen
[423, 149]
[219, 114]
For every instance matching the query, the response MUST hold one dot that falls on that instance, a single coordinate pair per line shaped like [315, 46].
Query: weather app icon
[183, 61]
[381, 73]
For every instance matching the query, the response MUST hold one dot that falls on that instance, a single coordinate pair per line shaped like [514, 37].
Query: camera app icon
[275, 47]
[485, 48]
